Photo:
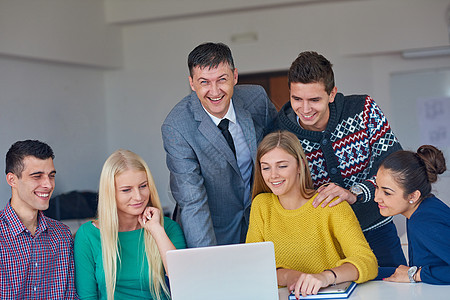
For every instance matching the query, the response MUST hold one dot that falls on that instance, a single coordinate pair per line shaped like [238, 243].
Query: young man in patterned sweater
[345, 138]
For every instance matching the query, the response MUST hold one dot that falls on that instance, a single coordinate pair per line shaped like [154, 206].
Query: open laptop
[231, 272]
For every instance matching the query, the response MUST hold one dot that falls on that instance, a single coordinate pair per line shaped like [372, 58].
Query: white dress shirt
[243, 156]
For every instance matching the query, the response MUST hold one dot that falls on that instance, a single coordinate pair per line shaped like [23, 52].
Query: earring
[410, 201]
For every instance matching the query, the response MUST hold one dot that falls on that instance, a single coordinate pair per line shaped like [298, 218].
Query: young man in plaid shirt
[36, 252]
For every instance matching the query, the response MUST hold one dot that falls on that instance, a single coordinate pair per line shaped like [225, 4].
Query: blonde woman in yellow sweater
[314, 247]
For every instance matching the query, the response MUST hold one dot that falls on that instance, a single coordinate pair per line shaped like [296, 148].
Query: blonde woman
[314, 247]
[122, 254]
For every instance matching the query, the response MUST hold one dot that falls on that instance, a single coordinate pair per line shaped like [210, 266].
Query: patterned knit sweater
[311, 239]
[348, 152]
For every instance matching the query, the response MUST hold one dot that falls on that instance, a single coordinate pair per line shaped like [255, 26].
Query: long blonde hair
[118, 162]
[288, 142]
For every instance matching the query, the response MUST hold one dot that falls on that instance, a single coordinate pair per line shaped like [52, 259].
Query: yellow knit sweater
[311, 239]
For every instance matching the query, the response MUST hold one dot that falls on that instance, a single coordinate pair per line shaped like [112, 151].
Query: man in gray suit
[210, 138]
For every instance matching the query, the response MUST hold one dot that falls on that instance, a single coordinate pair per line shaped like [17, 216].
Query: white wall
[68, 31]
[132, 11]
[53, 55]
[63, 106]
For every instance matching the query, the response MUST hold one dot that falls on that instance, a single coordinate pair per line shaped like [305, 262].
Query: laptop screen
[239, 271]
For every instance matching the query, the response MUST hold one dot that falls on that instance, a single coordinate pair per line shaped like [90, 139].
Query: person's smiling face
[214, 87]
[310, 103]
[281, 172]
[132, 193]
[33, 189]
[390, 196]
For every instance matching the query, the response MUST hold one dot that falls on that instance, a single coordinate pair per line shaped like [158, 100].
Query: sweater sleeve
[85, 280]
[255, 227]
[356, 250]
[382, 142]
[432, 237]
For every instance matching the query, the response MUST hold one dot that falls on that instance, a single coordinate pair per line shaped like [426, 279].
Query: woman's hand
[308, 284]
[401, 275]
[303, 283]
[150, 219]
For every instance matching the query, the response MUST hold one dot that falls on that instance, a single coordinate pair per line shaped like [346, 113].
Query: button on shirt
[243, 156]
[39, 266]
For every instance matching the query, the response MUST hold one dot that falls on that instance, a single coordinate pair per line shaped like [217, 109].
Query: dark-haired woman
[404, 187]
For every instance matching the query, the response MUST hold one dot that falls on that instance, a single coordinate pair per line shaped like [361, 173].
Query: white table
[380, 290]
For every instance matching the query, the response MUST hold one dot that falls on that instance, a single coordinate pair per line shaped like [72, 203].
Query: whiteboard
[420, 103]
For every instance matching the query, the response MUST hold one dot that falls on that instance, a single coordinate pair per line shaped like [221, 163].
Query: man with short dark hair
[210, 138]
[36, 252]
[345, 138]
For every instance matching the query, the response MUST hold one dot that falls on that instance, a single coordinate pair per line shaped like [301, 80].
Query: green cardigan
[132, 274]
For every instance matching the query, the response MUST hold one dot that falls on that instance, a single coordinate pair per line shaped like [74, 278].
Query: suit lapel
[210, 131]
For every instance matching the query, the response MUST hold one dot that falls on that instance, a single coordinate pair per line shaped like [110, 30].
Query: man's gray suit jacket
[205, 180]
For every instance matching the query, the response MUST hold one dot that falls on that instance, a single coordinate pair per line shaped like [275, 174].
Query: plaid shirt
[35, 267]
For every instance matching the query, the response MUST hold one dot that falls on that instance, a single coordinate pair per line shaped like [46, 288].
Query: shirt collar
[230, 115]
[17, 226]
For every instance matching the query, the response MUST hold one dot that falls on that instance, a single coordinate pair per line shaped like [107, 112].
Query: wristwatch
[357, 191]
[411, 272]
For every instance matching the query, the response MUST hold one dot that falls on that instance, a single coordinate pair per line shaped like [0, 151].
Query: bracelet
[335, 276]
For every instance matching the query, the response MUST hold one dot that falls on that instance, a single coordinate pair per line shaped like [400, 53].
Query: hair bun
[434, 161]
